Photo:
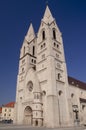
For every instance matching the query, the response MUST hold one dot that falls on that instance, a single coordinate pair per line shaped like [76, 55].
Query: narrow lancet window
[59, 76]
[33, 50]
[24, 51]
[43, 35]
[54, 34]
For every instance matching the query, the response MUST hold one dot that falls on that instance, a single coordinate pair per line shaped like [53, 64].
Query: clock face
[30, 86]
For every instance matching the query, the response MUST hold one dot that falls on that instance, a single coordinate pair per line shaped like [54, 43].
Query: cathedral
[45, 94]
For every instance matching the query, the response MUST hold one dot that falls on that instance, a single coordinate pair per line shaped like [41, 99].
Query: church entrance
[36, 123]
[28, 115]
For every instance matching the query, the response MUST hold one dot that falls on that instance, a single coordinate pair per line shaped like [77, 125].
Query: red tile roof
[0, 109]
[77, 83]
[11, 104]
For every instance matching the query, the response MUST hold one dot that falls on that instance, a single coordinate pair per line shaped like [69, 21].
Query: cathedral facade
[45, 95]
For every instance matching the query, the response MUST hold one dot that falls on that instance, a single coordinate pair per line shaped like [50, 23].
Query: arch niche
[28, 115]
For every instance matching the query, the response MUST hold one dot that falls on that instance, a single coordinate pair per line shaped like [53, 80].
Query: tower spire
[48, 18]
[30, 34]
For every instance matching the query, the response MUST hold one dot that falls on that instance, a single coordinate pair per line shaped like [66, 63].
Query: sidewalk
[26, 127]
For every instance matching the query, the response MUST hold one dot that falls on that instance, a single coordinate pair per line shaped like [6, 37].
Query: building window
[22, 69]
[20, 98]
[36, 123]
[9, 110]
[59, 76]
[5, 114]
[44, 44]
[9, 115]
[41, 46]
[37, 96]
[42, 114]
[60, 92]
[54, 44]
[57, 46]
[24, 51]
[44, 93]
[72, 95]
[33, 50]
[54, 34]
[83, 106]
[32, 60]
[43, 35]
[36, 113]
[5, 110]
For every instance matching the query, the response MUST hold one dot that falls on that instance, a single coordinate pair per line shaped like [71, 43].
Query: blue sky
[15, 18]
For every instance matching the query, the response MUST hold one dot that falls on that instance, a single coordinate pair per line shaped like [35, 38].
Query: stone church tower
[42, 82]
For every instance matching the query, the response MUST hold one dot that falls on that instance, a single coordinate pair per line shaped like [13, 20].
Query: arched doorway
[28, 115]
[36, 123]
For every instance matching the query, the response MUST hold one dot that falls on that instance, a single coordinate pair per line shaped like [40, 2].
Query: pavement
[26, 127]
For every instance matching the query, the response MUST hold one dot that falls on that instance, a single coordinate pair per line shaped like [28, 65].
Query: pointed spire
[30, 34]
[48, 18]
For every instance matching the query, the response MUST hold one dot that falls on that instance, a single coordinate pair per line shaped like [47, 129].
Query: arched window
[57, 46]
[22, 69]
[44, 44]
[44, 93]
[36, 113]
[59, 76]
[33, 50]
[43, 35]
[72, 95]
[54, 34]
[37, 96]
[36, 123]
[83, 106]
[54, 44]
[32, 60]
[60, 92]
[28, 111]
[41, 46]
[24, 51]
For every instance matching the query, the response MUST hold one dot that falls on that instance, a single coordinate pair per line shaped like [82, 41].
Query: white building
[45, 95]
[7, 112]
